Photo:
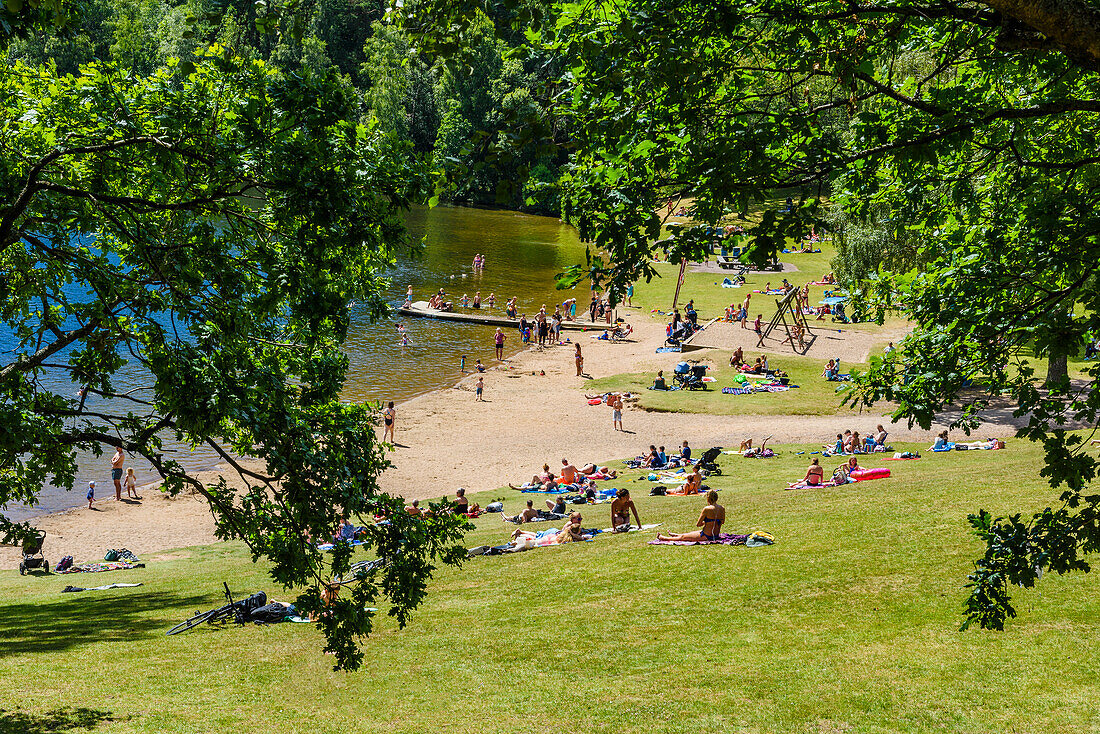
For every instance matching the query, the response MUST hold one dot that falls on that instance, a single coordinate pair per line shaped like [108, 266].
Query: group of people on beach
[127, 480]
[850, 442]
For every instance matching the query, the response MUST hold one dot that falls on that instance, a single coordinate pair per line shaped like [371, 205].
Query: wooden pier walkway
[420, 309]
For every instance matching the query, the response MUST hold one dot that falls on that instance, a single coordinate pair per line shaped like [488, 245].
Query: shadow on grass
[81, 619]
[61, 719]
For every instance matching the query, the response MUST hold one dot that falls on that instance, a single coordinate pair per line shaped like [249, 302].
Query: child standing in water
[462, 364]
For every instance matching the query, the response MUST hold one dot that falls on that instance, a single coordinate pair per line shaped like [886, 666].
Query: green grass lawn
[814, 395]
[711, 299]
[849, 623]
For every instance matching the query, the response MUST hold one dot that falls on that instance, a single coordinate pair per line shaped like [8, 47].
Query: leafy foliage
[206, 228]
[970, 127]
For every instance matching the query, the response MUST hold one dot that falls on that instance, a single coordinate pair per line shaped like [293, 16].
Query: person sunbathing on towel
[815, 475]
[842, 473]
[941, 442]
[568, 472]
[710, 522]
[538, 484]
[738, 357]
[694, 484]
[989, 443]
[598, 472]
[527, 515]
[569, 532]
[557, 506]
[414, 509]
[651, 460]
[621, 507]
[748, 451]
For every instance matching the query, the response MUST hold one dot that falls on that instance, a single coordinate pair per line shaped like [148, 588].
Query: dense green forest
[440, 113]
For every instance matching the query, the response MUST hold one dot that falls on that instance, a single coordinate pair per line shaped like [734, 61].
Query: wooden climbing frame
[797, 328]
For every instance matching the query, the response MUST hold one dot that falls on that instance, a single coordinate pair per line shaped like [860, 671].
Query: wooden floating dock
[420, 309]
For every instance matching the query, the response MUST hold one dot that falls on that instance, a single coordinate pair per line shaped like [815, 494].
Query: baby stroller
[32, 555]
[682, 332]
[690, 377]
[708, 459]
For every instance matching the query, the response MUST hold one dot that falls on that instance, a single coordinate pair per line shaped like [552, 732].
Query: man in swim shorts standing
[116, 471]
[616, 403]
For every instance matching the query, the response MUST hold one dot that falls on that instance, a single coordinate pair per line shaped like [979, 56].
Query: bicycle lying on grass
[238, 611]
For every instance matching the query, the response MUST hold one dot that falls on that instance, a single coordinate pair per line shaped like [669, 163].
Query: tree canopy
[208, 226]
[965, 134]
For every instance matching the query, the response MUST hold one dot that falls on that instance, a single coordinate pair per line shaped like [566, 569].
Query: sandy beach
[447, 440]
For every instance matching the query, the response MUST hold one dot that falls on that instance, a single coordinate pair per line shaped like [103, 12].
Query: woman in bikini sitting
[694, 483]
[815, 475]
[840, 476]
[710, 523]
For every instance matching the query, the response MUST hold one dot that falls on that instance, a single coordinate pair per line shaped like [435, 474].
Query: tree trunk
[1057, 370]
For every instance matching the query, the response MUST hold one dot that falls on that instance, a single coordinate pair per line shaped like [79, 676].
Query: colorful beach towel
[101, 566]
[803, 485]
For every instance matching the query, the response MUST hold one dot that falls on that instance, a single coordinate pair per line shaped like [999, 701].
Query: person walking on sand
[630, 295]
[116, 471]
[579, 359]
[616, 403]
[480, 389]
[131, 484]
[389, 418]
[498, 339]
[91, 494]
[756, 324]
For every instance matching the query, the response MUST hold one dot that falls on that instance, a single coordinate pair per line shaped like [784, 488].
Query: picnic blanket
[68, 589]
[723, 539]
[101, 566]
[633, 528]
[803, 485]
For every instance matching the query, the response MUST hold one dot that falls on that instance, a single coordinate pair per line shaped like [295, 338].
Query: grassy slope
[814, 395]
[849, 621]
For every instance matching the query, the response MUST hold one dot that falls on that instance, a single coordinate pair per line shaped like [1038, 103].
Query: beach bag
[657, 492]
[758, 539]
[64, 564]
[269, 613]
[111, 555]
[962, 447]
[494, 507]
